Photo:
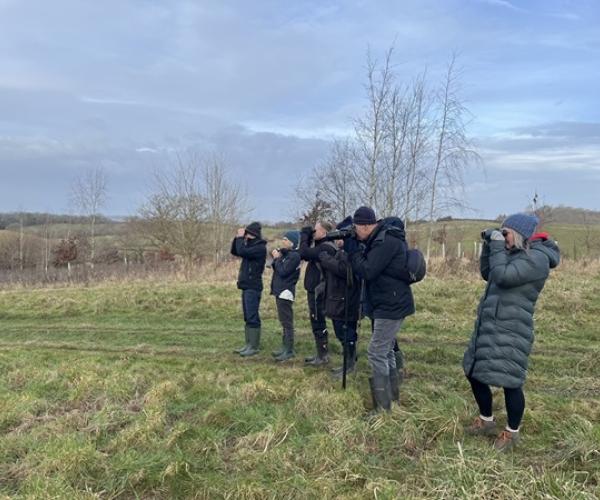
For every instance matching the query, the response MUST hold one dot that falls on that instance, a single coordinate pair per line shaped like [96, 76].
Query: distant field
[131, 391]
[576, 240]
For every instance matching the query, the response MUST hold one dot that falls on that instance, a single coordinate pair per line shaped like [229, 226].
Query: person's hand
[323, 255]
[351, 245]
[496, 236]
[276, 253]
[241, 232]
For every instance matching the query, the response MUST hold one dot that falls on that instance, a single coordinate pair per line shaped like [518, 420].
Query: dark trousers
[285, 313]
[317, 313]
[351, 334]
[513, 398]
[250, 306]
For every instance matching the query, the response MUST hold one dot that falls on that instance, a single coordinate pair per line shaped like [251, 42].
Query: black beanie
[365, 216]
[255, 229]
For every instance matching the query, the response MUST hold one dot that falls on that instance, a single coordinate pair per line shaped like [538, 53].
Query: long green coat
[501, 342]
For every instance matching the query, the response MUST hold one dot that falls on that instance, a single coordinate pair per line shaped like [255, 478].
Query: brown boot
[507, 440]
[480, 427]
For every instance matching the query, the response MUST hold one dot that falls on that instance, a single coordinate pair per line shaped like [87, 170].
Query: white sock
[511, 430]
[486, 419]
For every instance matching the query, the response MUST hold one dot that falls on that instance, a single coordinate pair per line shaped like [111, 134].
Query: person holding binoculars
[515, 262]
[380, 260]
[252, 249]
[286, 272]
[312, 244]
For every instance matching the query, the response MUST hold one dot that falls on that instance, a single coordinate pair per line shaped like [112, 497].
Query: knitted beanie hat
[255, 229]
[294, 237]
[524, 224]
[365, 216]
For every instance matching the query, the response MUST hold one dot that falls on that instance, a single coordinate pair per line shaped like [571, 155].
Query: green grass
[131, 391]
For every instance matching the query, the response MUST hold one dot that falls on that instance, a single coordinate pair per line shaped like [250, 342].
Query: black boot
[322, 347]
[288, 342]
[254, 340]
[399, 366]
[380, 391]
[239, 350]
[338, 373]
[395, 382]
[281, 350]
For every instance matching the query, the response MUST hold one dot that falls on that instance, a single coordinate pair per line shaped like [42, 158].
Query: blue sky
[268, 84]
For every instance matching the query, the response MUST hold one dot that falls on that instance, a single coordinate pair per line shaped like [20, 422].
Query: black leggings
[513, 398]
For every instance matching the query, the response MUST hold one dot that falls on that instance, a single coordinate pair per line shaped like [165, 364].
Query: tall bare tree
[370, 128]
[225, 203]
[453, 149]
[89, 194]
[192, 205]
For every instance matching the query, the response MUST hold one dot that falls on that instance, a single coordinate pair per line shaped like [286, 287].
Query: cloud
[572, 146]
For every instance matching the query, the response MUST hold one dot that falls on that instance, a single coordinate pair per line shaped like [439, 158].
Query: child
[286, 272]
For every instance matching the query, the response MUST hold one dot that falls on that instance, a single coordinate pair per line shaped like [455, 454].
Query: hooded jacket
[382, 265]
[498, 352]
[254, 255]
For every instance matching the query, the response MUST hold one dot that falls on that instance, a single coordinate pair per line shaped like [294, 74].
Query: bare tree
[191, 208]
[225, 203]
[418, 143]
[174, 215]
[453, 150]
[89, 194]
[370, 129]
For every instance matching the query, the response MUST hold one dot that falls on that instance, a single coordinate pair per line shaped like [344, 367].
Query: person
[515, 262]
[286, 272]
[342, 300]
[252, 249]
[382, 265]
[312, 243]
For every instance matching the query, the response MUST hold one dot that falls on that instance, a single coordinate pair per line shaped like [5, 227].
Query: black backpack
[416, 267]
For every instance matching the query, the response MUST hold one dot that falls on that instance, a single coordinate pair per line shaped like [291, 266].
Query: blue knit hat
[294, 237]
[524, 224]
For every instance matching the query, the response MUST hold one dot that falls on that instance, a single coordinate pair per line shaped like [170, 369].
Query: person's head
[322, 228]
[365, 222]
[291, 240]
[253, 230]
[518, 229]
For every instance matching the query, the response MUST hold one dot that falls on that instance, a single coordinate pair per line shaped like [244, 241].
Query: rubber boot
[322, 348]
[288, 342]
[239, 350]
[281, 350]
[380, 391]
[395, 385]
[338, 373]
[254, 340]
[399, 365]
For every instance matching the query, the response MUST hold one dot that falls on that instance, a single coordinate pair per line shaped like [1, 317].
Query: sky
[268, 84]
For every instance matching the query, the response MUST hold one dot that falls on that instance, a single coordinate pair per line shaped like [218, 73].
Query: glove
[351, 245]
[323, 255]
[492, 234]
[496, 236]
[306, 233]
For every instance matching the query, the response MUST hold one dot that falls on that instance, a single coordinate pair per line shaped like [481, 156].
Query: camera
[341, 234]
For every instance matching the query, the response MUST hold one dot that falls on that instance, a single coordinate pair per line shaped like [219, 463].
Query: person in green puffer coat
[515, 262]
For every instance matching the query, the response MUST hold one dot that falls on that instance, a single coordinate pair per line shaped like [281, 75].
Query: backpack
[416, 267]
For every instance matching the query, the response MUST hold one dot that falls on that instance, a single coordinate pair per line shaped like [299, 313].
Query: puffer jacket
[341, 285]
[498, 353]
[381, 264]
[286, 272]
[254, 256]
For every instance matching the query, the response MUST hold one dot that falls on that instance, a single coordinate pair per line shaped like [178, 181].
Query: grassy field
[131, 391]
